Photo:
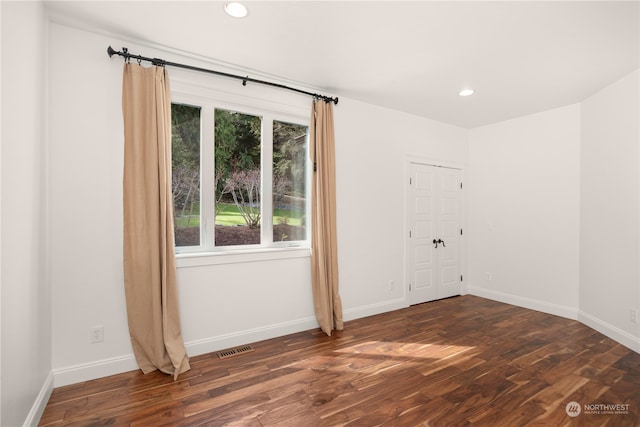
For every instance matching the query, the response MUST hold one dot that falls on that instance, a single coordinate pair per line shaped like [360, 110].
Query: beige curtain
[324, 244]
[149, 260]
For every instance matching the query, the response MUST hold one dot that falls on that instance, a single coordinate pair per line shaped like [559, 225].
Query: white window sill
[186, 260]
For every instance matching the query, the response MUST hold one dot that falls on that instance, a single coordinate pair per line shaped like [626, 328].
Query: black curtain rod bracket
[161, 63]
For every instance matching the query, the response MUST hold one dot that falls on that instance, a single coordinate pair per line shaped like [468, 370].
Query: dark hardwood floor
[454, 362]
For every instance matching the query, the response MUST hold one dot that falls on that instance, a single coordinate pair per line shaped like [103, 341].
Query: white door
[434, 238]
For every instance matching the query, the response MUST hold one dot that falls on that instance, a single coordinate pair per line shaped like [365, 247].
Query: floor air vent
[224, 354]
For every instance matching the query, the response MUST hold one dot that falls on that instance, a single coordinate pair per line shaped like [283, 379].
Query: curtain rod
[161, 63]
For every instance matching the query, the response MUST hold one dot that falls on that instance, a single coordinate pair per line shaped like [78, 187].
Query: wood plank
[459, 361]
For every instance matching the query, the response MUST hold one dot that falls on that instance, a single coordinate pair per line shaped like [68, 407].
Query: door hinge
[461, 277]
[461, 231]
[409, 233]
[409, 286]
[461, 186]
[410, 182]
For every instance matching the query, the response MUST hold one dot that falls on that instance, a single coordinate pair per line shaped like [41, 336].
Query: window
[239, 178]
[185, 173]
[290, 142]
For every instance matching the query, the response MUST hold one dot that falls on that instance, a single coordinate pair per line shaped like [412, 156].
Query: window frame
[208, 102]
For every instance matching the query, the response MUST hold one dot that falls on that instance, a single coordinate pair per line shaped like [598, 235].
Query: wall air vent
[224, 354]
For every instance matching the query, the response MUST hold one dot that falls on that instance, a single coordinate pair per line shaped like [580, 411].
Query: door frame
[409, 159]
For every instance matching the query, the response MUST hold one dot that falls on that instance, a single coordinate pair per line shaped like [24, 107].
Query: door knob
[441, 242]
[435, 242]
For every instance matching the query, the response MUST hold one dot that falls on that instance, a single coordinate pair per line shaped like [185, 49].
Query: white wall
[524, 210]
[26, 312]
[373, 147]
[523, 185]
[222, 304]
[609, 210]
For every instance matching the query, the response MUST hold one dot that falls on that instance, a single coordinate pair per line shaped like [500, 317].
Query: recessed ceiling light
[466, 92]
[235, 9]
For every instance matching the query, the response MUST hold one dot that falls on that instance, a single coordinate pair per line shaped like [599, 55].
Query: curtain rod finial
[110, 51]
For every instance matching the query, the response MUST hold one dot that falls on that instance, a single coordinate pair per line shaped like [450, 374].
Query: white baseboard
[249, 336]
[91, 371]
[34, 415]
[125, 363]
[373, 309]
[117, 365]
[532, 304]
[616, 334]
[221, 342]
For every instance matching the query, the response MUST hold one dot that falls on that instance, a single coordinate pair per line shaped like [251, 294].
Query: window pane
[185, 176]
[237, 180]
[289, 181]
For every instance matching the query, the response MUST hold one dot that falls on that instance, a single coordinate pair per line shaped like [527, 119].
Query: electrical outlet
[633, 315]
[97, 334]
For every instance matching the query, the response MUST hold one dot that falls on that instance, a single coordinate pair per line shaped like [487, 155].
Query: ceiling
[415, 56]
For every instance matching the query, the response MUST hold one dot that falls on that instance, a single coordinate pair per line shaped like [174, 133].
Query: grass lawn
[229, 215]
